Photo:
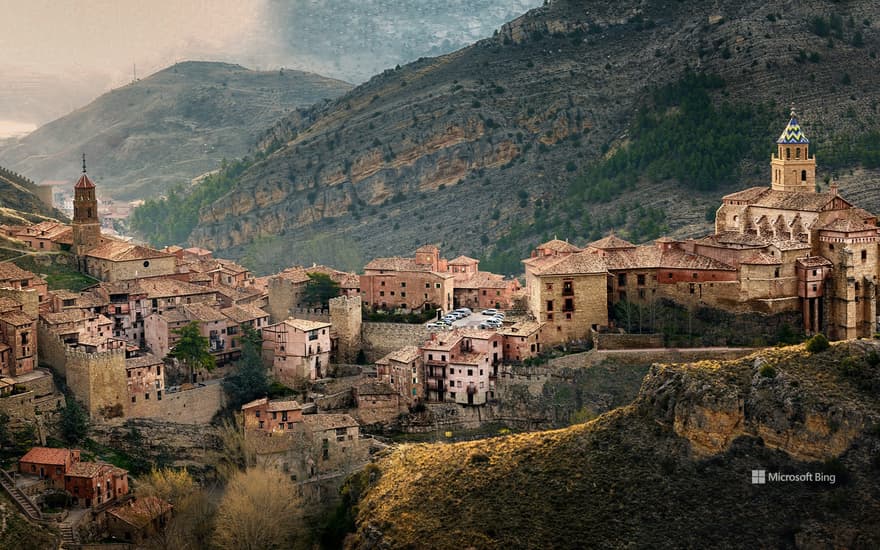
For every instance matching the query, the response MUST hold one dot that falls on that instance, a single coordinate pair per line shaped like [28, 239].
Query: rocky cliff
[167, 128]
[460, 148]
[673, 469]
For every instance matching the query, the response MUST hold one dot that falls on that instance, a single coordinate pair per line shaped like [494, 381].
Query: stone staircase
[26, 504]
[68, 536]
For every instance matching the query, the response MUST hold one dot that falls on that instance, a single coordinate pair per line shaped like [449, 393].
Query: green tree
[74, 422]
[249, 381]
[320, 289]
[193, 349]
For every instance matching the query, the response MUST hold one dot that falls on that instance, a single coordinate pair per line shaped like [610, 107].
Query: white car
[434, 326]
[464, 311]
[499, 315]
[489, 311]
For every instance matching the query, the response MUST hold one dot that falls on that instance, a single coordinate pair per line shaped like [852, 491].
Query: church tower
[792, 168]
[86, 226]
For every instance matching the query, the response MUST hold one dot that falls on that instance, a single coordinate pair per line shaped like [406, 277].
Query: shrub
[818, 343]
[767, 371]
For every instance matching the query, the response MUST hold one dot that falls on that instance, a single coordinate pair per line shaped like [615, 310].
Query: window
[549, 305]
[621, 279]
[427, 285]
[495, 344]
[392, 293]
[694, 276]
[430, 357]
[776, 273]
[864, 256]
[567, 288]
[692, 288]
[403, 294]
[436, 285]
[134, 399]
[788, 153]
[146, 263]
[402, 285]
[260, 424]
[549, 286]
[803, 175]
[381, 283]
[452, 395]
[797, 152]
[159, 395]
[381, 293]
[470, 372]
[640, 279]
[549, 316]
[147, 396]
[569, 305]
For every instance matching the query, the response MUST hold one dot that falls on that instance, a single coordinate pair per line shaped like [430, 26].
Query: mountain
[672, 470]
[576, 118]
[19, 203]
[167, 128]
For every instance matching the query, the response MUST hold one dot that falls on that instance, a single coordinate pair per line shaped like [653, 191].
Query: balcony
[435, 385]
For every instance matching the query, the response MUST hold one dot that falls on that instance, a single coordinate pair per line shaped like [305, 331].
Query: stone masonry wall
[626, 341]
[195, 406]
[346, 318]
[98, 380]
[381, 339]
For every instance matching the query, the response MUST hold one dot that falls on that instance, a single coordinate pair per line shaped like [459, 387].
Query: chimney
[834, 188]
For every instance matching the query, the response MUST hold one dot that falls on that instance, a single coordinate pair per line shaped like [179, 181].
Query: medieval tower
[86, 225]
[345, 316]
[792, 168]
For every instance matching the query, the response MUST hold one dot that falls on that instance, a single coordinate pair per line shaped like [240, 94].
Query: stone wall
[380, 339]
[53, 352]
[610, 340]
[99, 381]
[194, 406]
[29, 299]
[40, 399]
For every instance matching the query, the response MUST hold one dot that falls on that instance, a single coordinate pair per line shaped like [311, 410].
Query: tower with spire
[86, 225]
[792, 168]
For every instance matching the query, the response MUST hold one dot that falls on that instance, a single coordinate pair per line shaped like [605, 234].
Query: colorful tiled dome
[793, 132]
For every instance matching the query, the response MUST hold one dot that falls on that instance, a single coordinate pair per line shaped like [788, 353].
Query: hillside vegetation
[167, 128]
[19, 204]
[570, 121]
[641, 475]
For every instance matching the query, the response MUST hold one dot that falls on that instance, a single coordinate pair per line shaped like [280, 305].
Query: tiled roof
[64, 237]
[84, 182]
[649, 256]
[759, 258]
[46, 455]
[792, 133]
[427, 248]
[396, 264]
[328, 421]
[444, 342]
[8, 304]
[11, 272]
[557, 245]
[141, 511]
[747, 195]
[734, 237]
[255, 403]
[578, 263]
[305, 325]
[522, 328]
[242, 314]
[283, 405]
[795, 200]
[145, 360]
[611, 242]
[483, 279]
[86, 469]
[116, 251]
[790, 245]
[477, 333]
[406, 354]
[164, 288]
[67, 316]
[463, 260]
[814, 261]
[469, 358]
[16, 318]
[848, 226]
[204, 312]
[173, 316]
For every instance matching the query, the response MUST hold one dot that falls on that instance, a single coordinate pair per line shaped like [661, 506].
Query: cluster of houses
[782, 248]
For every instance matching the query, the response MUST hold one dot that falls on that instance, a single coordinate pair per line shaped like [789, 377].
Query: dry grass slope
[627, 479]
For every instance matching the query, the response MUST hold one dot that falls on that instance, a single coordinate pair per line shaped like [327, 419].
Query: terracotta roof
[427, 248]
[611, 242]
[557, 245]
[145, 360]
[469, 358]
[283, 405]
[46, 455]
[197, 251]
[734, 237]
[64, 237]
[328, 421]
[67, 316]
[16, 318]
[8, 304]
[649, 256]
[396, 264]
[814, 261]
[305, 325]
[463, 260]
[164, 288]
[578, 263]
[141, 511]
[406, 354]
[116, 251]
[759, 258]
[477, 333]
[86, 469]
[790, 245]
[522, 328]
[664, 239]
[748, 195]
[294, 274]
[242, 314]
[444, 342]
[483, 279]
[255, 403]
[173, 316]
[11, 272]
[848, 226]
[84, 182]
[204, 312]
[795, 200]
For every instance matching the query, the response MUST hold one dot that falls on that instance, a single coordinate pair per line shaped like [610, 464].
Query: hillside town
[783, 249]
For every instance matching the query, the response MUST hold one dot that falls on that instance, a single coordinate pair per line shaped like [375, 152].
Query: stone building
[15, 280]
[119, 261]
[462, 366]
[267, 416]
[48, 463]
[86, 224]
[299, 350]
[18, 339]
[410, 284]
[404, 370]
[94, 484]
[346, 317]
[287, 289]
[784, 248]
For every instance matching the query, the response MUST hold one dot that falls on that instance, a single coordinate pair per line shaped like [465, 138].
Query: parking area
[473, 320]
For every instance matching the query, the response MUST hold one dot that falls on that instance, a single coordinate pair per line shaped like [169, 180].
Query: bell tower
[86, 225]
[792, 168]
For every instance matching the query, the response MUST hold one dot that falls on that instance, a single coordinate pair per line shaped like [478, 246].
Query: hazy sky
[110, 35]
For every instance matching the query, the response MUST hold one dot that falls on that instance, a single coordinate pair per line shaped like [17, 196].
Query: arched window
[88, 212]
[787, 153]
[803, 175]
[797, 153]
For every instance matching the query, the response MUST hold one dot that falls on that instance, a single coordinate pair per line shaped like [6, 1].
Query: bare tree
[238, 452]
[260, 509]
[192, 522]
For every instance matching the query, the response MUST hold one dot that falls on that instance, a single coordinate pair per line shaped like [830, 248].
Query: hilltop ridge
[640, 475]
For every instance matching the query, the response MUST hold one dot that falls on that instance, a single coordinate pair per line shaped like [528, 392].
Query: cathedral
[786, 248]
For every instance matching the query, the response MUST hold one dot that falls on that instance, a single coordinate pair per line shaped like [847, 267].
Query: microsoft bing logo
[759, 477]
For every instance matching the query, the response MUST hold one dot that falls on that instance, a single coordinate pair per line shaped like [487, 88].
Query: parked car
[464, 311]
[485, 325]
[500, 315]
[450, 319]
[434, 326]
[490, 311]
